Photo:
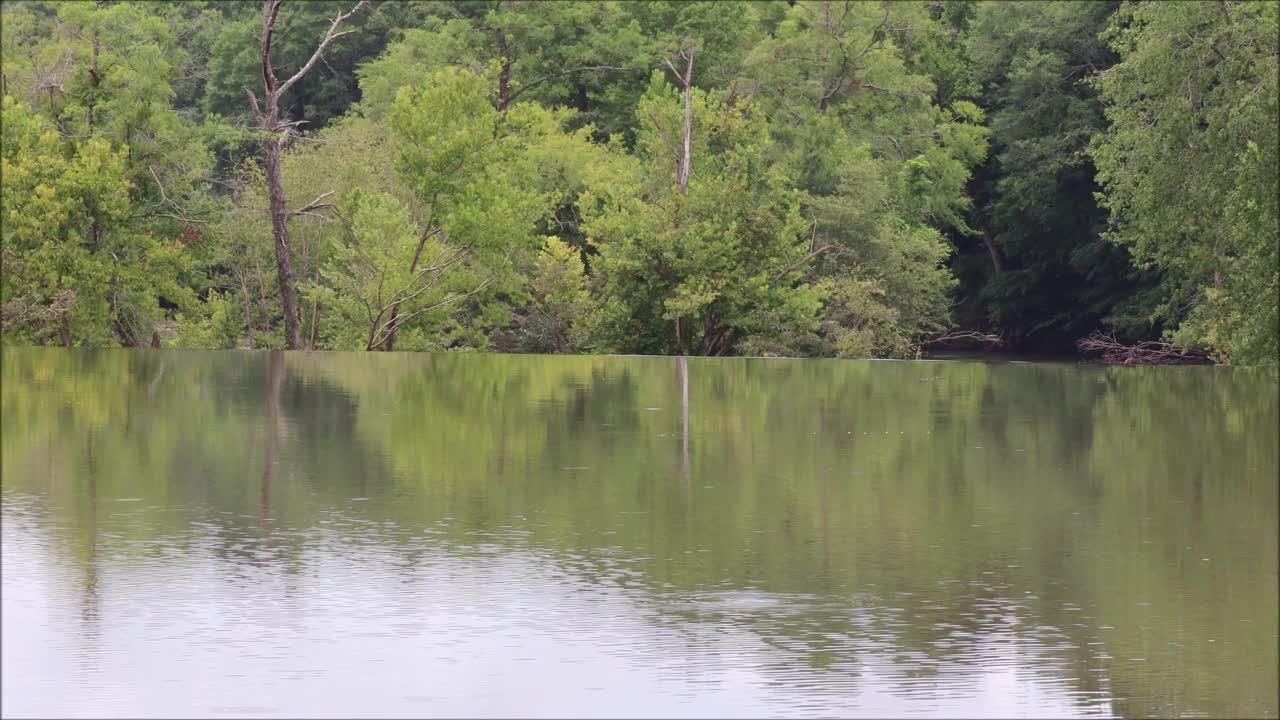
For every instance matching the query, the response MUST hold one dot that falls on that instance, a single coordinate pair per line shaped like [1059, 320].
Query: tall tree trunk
[95, 231]
[685, 79]
[64, 331]
[280, 230]
[686, 159]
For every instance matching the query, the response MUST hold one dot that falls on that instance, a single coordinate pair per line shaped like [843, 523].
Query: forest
[775, 178]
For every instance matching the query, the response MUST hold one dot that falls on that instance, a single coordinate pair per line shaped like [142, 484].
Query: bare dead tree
[275, 131]
[685, 158]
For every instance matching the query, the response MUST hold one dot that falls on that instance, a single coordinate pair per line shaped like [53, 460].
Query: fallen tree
[964, 339]
[1150, 352]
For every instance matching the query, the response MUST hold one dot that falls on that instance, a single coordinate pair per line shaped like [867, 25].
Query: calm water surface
[256, 534]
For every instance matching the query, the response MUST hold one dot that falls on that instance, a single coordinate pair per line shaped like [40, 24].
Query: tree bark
[284, 258]
[504, 75]
[682, 179]
[95, 232]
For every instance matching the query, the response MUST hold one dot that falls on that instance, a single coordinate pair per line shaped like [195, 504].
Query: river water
[195, 534]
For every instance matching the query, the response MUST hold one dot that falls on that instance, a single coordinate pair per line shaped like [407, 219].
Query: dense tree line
[841, 179]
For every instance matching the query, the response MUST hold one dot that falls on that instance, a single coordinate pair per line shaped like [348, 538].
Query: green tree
[1189, 163]
[470, 179]
[73, 266]
[883, 166]
[698, 269]
[1038, 269]
[558, 318]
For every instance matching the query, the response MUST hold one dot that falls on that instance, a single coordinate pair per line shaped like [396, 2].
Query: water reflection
[270, 534]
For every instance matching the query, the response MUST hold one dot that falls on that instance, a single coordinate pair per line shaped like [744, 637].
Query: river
[192, 534]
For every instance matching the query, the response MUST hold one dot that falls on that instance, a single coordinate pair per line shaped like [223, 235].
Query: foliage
[72, 265]
[558, 318]
[694, 271]
[1189, 165]
[842, 199]
[1057, 277]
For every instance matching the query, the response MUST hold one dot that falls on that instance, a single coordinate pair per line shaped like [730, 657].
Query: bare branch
[270, 9]
[316, 204]
[253, 101]
[674, 71]
[1150, 352]
[400, 320]
[951, 336]
[165, 200]
[329, 37]
[809, 256]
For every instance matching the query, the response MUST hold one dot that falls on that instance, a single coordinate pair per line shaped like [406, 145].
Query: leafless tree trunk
[280, 230]
[685, 158]
[275, 131]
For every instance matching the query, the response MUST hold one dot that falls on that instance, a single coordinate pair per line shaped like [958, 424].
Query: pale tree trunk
[275, 132]
[685, 160]
[95, 232]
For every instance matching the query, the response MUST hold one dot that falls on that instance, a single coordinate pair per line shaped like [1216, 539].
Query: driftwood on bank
[964, 338]
[1151, 352]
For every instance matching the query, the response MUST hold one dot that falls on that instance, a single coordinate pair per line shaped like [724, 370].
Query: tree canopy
[792, 177]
